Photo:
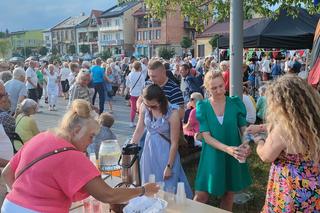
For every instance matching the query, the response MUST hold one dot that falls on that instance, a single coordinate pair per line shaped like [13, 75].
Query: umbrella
[16, 59]
[32, 58]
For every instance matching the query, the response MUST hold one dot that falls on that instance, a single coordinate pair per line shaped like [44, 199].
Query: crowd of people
[176, 101]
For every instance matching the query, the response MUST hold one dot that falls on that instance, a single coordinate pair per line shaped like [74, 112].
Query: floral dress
[294, 185]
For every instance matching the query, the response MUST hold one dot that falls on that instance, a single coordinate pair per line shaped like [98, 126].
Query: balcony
[111, 28]
[112, 42]
[93, 39]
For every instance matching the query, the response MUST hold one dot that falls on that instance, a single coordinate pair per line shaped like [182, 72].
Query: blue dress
[155, 153]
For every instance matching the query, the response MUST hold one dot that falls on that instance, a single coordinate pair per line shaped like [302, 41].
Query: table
[189, 206]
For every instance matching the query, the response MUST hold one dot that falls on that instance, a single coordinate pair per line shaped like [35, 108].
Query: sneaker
[132, 125]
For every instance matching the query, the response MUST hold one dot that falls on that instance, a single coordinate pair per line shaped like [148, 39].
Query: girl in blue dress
[160, 153]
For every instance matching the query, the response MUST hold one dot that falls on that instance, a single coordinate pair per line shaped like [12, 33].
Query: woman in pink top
[53, 183]
[191, 128]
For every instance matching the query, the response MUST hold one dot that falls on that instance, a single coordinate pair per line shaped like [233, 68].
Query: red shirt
[226, 77]
[52, 184]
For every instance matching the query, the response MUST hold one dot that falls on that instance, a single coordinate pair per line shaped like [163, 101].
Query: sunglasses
[191, 99]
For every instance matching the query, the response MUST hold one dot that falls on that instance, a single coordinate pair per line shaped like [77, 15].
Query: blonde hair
[83, 73]
[210, 76]
[79, 114]
[137, 66]
[295, 105]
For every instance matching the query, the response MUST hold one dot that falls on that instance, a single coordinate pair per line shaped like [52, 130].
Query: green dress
[218, 172]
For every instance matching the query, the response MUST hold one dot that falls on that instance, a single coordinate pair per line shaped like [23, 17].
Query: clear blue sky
[42, 14]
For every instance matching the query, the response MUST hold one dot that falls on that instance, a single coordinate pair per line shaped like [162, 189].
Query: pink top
[194, 124]
[52, 184]
[226, 77]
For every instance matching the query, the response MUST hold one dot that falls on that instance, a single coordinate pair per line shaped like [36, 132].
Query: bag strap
[136, 82]
[164, 137]
[56, 151]
[20, 120]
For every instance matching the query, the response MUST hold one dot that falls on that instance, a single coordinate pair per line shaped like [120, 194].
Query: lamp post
[236, 47]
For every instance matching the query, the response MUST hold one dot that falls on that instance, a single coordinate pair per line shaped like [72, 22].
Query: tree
[55, 50]
[213, 41]
[43, 51]
[198, 11]
[106, 54]
[2, 35]
[85, 48]
[72, 49]
[186, 42]
[28, 51]
[166, 53]
[5, 47]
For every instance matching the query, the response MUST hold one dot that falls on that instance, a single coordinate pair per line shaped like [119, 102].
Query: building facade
[47, 39]
[152, 34]
[87, 34]
[21, 40]
[116, 31]
[64, 39]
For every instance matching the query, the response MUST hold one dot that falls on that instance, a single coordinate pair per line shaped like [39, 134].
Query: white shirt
[251, 110]
[64, 73]
[31, 73]
[6, 150]
[265, 66]
[131, 81]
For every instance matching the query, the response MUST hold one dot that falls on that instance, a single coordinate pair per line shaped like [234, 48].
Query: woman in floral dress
[293, 145]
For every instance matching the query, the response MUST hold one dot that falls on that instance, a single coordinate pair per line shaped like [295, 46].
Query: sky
[18, 15]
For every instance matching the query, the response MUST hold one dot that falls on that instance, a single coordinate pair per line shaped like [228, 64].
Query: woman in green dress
[222, 119]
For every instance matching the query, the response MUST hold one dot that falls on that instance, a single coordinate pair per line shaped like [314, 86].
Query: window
[67, 35]
[142, 22]
[47, 38]
[158, 34]
[118, 36]
[145, 35]
[139, 36]
[62, 35]
[72, 35]
[108, 24]
[93, 21]
[58, 36]
[117, 22]
[201, 50]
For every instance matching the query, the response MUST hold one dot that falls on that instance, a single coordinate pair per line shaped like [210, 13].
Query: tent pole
[236, 47]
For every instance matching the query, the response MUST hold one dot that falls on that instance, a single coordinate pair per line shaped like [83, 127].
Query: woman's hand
[254, 129]
[235, 152]
[151, 189]
[167, 173]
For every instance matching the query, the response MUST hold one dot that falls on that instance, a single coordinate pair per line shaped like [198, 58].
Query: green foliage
[72, 49]
[186, 42]
[2, 34]
[55, 51]
[84, 48]
[5, 47]
[213, 41]
[28, 51]
[166, 53]
[106, 54]
[198, 11]
[43, 51]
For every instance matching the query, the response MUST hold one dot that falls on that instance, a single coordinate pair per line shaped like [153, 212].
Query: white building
[87, 33]
[117, 32]
[47, 39]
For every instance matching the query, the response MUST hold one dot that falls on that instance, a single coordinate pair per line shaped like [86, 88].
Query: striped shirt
[172, 91]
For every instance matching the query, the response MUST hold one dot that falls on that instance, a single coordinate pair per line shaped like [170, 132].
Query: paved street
[49, 119]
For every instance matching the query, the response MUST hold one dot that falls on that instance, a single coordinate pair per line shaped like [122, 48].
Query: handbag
[128, 96]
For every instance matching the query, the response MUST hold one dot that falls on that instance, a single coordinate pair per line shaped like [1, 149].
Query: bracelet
[143, 191]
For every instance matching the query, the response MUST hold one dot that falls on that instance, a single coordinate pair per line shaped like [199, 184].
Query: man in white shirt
[32, 81]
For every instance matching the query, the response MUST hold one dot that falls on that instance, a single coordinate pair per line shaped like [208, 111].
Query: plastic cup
[86, 205]
[152, 178]
[181, 194]
[161, 191]
[96, 206]
[243, 148]
[93, 158]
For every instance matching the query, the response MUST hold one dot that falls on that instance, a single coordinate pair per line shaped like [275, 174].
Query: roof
[70, 22]
[140, 12]
[224, 27]
[97, 14]
[118, 10]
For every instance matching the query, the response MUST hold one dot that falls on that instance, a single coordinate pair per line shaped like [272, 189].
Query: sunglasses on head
[3, 95]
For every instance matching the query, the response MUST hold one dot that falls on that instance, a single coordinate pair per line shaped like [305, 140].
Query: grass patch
[259, 172]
